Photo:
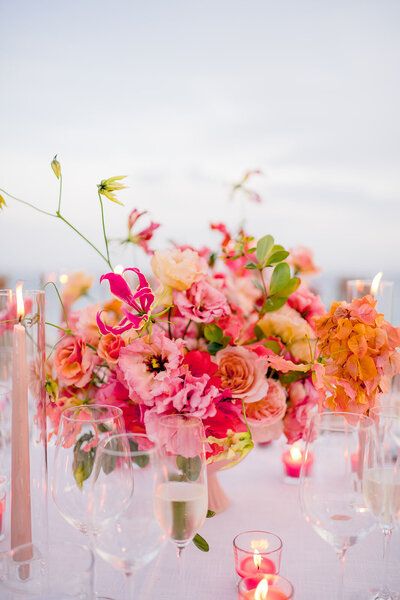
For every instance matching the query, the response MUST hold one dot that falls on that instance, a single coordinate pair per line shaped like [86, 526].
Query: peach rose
[109, 347]
[74, 362]
[178, 269]
[265, 417]
[243, 373]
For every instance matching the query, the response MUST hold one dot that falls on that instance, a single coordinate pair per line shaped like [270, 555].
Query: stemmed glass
[181, 498]
[331, 492]
[381, 480]
[134, 538]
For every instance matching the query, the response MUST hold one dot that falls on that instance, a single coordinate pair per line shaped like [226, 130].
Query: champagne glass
[381, 481]
[331, 492]
[80, 431]
[181, 498]
[134, 538]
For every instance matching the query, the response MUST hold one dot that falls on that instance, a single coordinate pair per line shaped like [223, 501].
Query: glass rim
[345, 415]
[368, 282]
[190, 420]
[132, 453]
[118, 412]
[37, 553]
[264, 552]
[270, 577]
[6, 292]
[384, 411]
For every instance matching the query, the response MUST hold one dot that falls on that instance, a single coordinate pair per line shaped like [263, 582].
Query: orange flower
[358, 351]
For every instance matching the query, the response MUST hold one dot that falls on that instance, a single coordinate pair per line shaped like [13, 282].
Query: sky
[183, 98]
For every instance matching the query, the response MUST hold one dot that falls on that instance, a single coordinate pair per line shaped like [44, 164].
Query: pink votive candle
[265, 587]
[293, 459]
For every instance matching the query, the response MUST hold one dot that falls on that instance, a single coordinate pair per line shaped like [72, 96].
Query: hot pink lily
[140, 300]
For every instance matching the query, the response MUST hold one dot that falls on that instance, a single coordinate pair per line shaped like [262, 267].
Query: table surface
[260, 500]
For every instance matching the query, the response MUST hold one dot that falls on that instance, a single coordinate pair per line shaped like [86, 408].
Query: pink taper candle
[21, 528]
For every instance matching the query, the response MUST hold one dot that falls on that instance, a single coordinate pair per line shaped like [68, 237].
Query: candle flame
[295, 453]
[64, 278]
[20, 300]
[257, 558]
[261, 545]
[261, 590]
[376, 282]
[119, 269]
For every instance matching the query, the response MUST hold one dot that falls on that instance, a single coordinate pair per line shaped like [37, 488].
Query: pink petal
[124, 325]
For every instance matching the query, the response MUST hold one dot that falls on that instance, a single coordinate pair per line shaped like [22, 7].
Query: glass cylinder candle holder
[265, 587]
[23, 434]
[59, 571]
[257, 553]
[381, 289]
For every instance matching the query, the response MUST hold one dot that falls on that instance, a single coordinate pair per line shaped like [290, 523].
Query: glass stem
[129, 586]
[384, 593]
[181, 572]
[342, 556]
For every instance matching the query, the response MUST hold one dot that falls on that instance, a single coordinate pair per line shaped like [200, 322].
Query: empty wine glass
[134, 538]
[331, 492]
[381, 481]
[80, 431]
[181, 498]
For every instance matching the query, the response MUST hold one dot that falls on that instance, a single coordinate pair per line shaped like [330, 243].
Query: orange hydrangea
[358, 356]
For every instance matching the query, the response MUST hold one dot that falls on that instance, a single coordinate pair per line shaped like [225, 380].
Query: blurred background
[183, 98]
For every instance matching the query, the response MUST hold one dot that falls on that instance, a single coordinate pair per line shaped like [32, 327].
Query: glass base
[389, 595]
[291, 480]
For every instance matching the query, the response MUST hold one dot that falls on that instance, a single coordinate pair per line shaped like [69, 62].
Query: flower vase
[218, 501]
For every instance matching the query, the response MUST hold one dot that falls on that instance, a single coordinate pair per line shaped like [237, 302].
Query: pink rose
[243, 372]
[308, 304]
[109, 347]
[265, 416]
[202, 302]
[74, 362]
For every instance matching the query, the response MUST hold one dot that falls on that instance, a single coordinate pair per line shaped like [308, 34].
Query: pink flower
[303, 399]
[115, 393]
[141, 238]
[109, 347]
[202, 302]
[196, 396]
[149, 367]
[266, 413]
[309, 305]
[302, 261]
[74, 362]
[141, 300]
[233, 324]
[243, 372]
[84, 324]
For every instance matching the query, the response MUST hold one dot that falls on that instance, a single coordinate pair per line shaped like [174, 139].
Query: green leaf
[290, 287]
[273, 345]
[264, 246]
[280, 278]
[201, 543]
[214, 347]
[82, 465]
[141, 461]
[292, 376]
[213, 333]
[258, 332]
[190, 467]
[210, 514]
[277, 257]
[273, 303]
[251, 266]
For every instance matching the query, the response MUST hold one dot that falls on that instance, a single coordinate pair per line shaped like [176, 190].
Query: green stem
[66, 331]
[65, 314]
[59, 195]
[103, 224]
[186, 329]
[263, 284]
[44, 212]
[84, 238]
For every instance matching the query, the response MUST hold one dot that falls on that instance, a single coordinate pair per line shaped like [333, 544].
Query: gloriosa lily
[107, 187]
[140, 300]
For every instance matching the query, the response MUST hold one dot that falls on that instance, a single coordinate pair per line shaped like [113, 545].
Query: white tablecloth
[260, 500]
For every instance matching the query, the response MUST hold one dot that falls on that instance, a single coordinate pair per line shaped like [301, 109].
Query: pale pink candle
[21, 528]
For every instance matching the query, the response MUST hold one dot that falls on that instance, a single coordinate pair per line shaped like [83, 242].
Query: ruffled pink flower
[114, 393]
[140, 300]
[202, 302]
[308, 304]
[233, 325]
[84, 323]
[243, 372]
[74, 362]
[197, 397]
[303, 399]
[302, 261]
[265, 413]
[149, 366]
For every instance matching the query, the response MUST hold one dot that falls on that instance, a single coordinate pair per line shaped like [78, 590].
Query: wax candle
[251, 566]
[265, 587]
[292, 460]
[21, 528]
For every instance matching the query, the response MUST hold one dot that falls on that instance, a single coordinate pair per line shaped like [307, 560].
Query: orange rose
[109, 347]
[74, 362]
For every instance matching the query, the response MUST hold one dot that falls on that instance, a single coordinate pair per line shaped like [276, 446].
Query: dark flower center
[155, 364]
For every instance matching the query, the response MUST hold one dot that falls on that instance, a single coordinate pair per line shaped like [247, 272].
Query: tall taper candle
[21, 527]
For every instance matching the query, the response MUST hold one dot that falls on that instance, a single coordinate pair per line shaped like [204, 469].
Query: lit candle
[21, 529]
[254, 565]
[292, 460]
[268, 587]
